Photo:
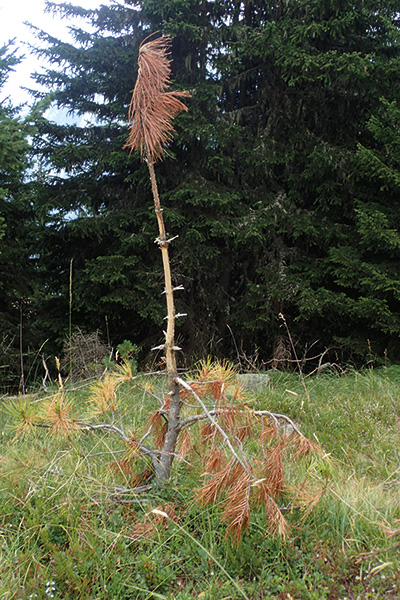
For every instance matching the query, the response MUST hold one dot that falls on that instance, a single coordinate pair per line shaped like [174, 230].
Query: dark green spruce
[18, 224]
[282, 181]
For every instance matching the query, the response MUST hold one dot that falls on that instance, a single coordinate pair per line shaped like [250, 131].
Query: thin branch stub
[161, 347]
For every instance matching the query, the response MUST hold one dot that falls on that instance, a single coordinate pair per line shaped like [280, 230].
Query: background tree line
[282, 182]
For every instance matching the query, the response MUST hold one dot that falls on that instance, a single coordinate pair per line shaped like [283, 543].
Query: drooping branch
[215, 424]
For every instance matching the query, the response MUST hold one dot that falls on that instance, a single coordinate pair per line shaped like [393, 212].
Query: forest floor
[69, 531]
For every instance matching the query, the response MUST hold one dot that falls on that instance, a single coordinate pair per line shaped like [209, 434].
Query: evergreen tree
[99, 215]
[268, 182]
[91, 213]
[17, 275]
[319, 71]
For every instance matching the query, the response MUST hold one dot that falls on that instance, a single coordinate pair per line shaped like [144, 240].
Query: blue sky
[13, 14]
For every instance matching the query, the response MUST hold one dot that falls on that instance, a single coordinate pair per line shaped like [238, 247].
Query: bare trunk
[163, 468]
[21, 349]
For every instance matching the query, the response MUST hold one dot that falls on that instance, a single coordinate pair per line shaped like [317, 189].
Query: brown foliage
[126, 464]
[152, 108]
[186, 444]
[245, 480]
[268, 432]
[208, 433]
[228, 417]
[303, 446]
[159, 428]
[123, 466]
[154, 520]
[308, 495]
[237, 507]
[59, 415]
[273, 469]
[219, 482]
[214, 389]
[142, 530]
[214, 460]
[103, 395]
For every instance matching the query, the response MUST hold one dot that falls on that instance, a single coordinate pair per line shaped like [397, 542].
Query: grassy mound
[71, 527]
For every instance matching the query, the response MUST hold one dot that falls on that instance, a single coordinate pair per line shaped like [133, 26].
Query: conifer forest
[280, 183]
[200, 303]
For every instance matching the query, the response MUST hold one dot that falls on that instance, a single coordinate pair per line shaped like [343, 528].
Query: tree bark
[163, 468]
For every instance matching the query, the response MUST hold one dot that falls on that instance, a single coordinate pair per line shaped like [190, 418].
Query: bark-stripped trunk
[163, 467]
[151, 113]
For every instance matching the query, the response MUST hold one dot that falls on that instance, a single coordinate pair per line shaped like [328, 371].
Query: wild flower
[50, 589]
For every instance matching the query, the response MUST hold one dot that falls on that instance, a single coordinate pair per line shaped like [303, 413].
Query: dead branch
[189, 421]
[210, 417]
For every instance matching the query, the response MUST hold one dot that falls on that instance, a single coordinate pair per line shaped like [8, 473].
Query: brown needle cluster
[152, 108]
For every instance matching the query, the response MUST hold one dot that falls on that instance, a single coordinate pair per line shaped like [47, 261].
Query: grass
[64, 535]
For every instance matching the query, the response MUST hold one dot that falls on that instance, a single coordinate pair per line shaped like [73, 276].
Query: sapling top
[152, 107]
